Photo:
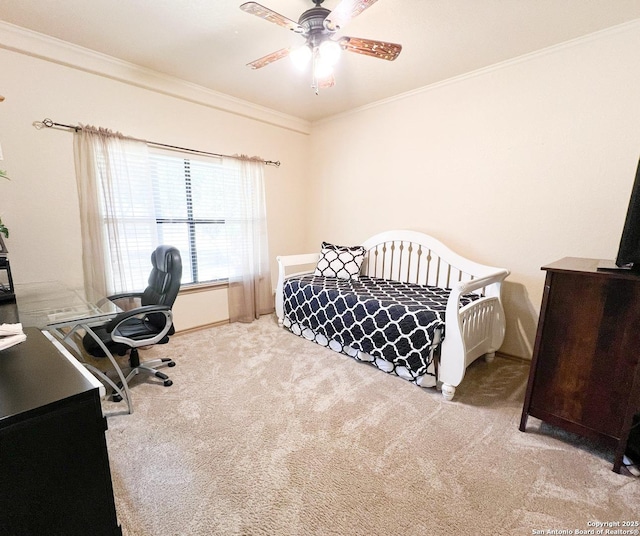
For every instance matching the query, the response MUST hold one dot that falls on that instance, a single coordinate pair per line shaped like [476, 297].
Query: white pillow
[343, 262]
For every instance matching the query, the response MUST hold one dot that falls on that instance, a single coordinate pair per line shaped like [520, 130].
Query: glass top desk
[64, 315]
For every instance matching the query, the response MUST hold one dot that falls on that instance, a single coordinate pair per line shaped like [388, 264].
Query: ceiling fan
[322, 47]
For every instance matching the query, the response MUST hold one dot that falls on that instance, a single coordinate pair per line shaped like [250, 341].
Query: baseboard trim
[199, 328]
[513, 357]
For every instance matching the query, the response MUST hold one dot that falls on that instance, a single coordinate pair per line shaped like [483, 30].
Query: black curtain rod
[49, 124]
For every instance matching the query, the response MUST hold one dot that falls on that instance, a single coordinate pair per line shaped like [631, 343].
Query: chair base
[146, 367]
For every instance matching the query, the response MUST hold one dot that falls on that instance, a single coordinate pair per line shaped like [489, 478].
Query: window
[192, 204]
[132, 198]
[195, 201]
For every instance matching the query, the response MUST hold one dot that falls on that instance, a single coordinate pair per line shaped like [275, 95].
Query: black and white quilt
[393, 322]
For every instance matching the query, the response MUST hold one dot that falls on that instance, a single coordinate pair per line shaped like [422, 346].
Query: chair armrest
[125, 295]
[116, 297]
[113, 325]
[146, 310]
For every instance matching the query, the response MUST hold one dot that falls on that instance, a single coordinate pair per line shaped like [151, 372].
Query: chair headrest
[166, 258]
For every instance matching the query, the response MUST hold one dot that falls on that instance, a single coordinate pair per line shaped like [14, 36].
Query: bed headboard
[418, 258]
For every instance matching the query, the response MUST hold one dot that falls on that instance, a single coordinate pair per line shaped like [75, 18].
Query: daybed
[402, 301]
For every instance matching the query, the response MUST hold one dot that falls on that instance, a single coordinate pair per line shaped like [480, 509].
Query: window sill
[192, 288]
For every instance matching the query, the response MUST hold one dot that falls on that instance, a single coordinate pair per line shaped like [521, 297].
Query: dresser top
[590, 266]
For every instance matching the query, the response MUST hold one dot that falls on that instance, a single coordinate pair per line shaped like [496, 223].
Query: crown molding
[633, 25]
[37, 45]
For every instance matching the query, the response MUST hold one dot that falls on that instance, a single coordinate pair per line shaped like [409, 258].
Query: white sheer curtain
[250, 292]
[119, 228]
[116, 210]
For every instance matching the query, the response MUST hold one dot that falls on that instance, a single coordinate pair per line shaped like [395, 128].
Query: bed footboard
[472, 331]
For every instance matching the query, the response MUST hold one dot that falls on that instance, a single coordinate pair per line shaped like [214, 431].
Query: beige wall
[515, 166]
[40, 204]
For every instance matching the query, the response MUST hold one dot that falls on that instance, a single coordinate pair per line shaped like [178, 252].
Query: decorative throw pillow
[340, 261]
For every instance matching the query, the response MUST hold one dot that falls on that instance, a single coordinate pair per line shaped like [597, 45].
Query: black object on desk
[6, 291]
[54, 468]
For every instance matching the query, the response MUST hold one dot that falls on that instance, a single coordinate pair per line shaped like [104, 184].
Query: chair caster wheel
[171, 364]
[167, 383]
[116, 397]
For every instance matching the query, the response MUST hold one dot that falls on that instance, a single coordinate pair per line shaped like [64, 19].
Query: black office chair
[150, 323]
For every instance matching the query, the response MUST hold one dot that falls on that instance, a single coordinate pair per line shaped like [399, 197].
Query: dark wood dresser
[585, 371]
[54, 468]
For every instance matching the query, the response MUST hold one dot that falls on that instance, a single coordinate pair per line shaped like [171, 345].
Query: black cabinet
[54, 467]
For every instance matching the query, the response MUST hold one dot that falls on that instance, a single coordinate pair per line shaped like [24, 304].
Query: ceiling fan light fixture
[322, 70]
[330, 51]
[300, 56]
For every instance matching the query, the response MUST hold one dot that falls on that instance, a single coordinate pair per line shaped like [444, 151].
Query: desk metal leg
[122, 391]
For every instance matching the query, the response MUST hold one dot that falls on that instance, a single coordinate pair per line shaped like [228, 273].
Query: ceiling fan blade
[369, 47]
[267, 14]
[269, 58]
[344, 12]
[329, 81]
[322, 83]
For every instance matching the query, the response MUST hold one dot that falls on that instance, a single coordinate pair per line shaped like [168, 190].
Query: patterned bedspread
[389, 320]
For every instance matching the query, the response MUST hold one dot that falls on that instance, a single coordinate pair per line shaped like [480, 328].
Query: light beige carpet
[264, 433]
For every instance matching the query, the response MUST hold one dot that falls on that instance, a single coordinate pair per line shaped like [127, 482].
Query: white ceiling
[209, 42]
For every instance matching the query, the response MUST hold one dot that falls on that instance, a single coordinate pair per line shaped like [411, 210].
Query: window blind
[197, 203]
